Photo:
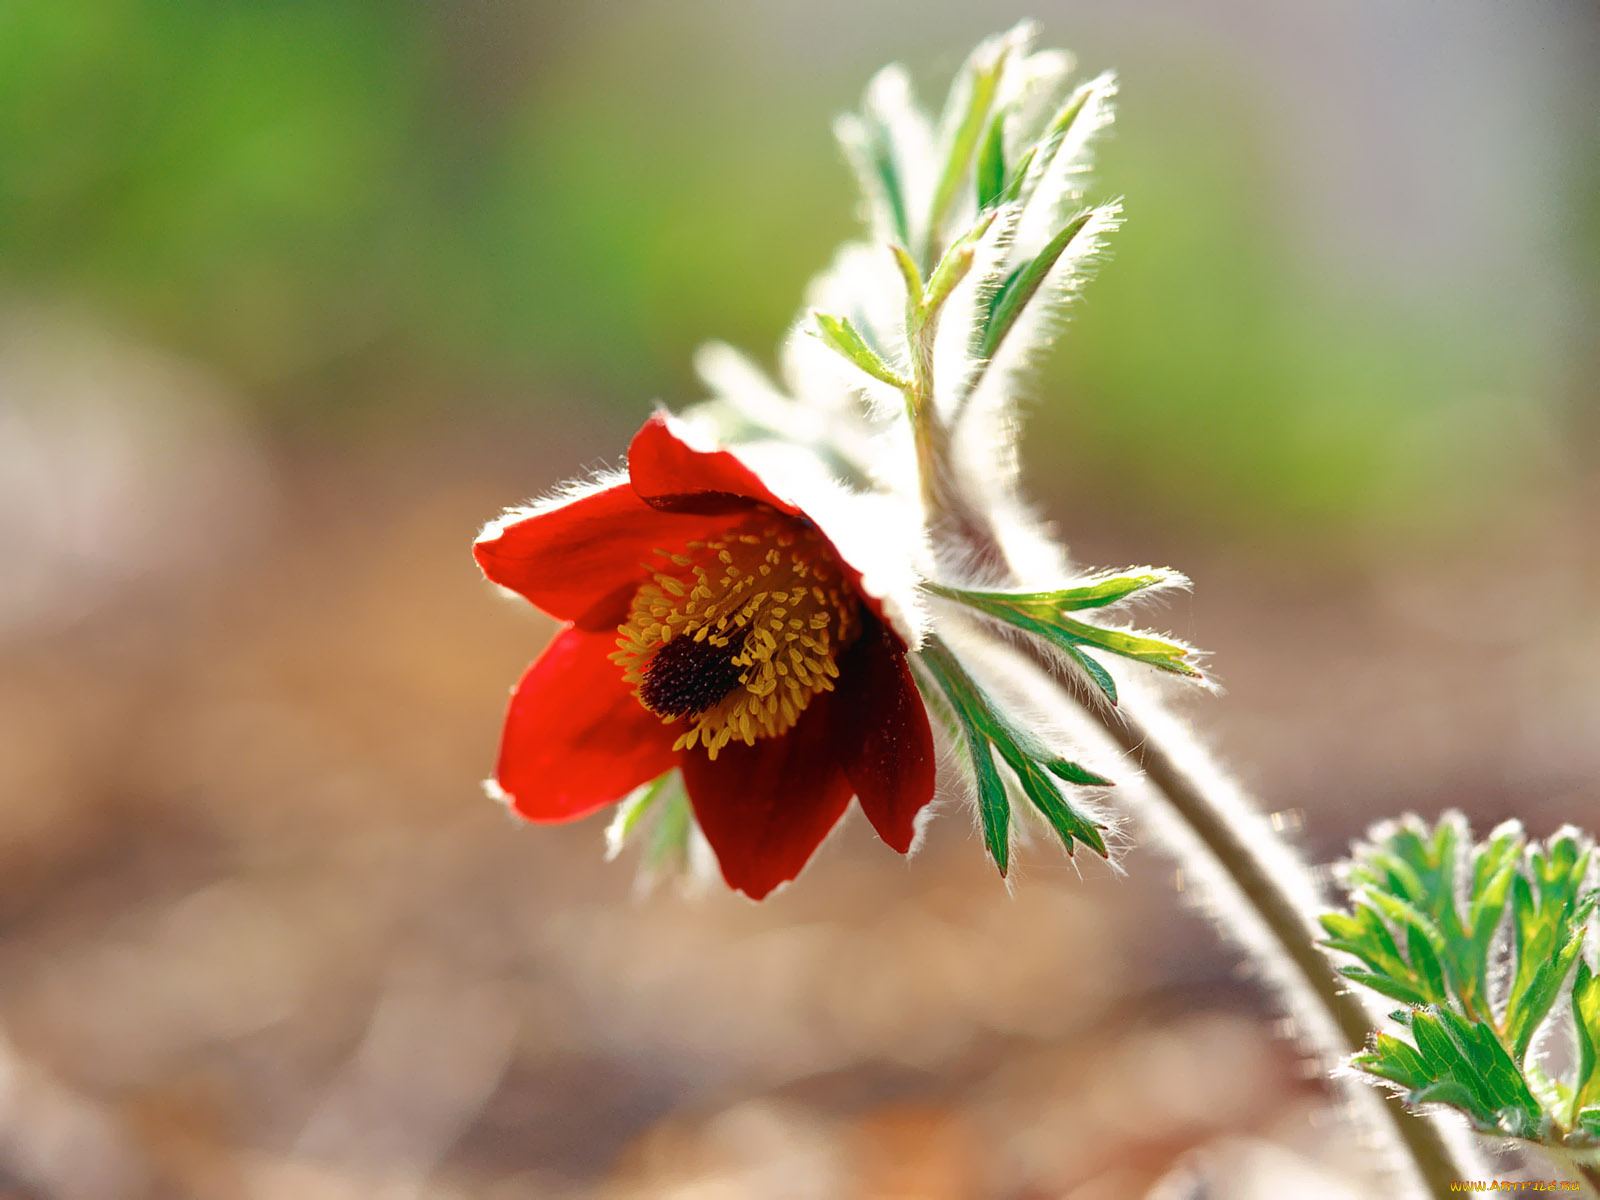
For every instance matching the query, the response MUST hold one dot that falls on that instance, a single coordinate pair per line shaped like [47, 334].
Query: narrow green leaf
[882, 164]
[1102, 677]
[971, 97]
[987, 730]
[953, 267]
[1019, 287]
[1523, 1021]
[1425, 962]
[843, 337]
[994, 807]
[669, 836]
[1070, 824]
[991, 173]
[1385, 985]
[1586, 1023]
[1071, 772]
[909, 274]
[1166, 656]
[1108, 590]
[631, 811]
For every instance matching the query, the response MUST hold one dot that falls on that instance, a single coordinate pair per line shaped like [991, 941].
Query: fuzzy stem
[1291, 926]
[1273, 885]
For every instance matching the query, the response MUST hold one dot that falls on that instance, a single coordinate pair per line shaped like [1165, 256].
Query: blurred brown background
[293, 297]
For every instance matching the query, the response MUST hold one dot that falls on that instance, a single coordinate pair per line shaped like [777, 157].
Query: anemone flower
[713, 625]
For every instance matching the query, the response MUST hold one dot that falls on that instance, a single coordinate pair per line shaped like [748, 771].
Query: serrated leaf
[1385, 985]
[1071, 825]
[1522, 1020]
[1394, 1060]
[1033, 613]
[1425, 962]
[1586, 1022]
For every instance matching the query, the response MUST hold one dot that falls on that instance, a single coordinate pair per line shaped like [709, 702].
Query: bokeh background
[294, 296]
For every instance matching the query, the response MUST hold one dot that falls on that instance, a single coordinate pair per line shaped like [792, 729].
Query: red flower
[711, 626]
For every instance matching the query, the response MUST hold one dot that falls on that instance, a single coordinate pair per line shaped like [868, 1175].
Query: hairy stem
[1265, 875]
[1291, 924]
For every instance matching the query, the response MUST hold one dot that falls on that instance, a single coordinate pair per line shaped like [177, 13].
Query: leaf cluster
[1478, 941]
[984, 729]
[1043, 614]
[1010, 141]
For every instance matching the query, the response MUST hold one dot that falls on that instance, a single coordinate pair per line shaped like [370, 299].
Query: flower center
[736, 634]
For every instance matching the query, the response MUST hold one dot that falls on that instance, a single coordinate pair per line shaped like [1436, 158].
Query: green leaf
[1586, 1022]
[1019, 287]
[1425, 961]
[1397, 1061]
[1038, 613]
[985, 731]
[1589, 1122]
[953, 267]
[843, 337]
[1101, 677]
[669, 838]
[632, 811]
[1066, 116]
[991, 173]
[1164, 655]
[1522, 1021]
[1385, 985]
[1445, 897]
[971, 97]
[1108, 590]
[994, 807]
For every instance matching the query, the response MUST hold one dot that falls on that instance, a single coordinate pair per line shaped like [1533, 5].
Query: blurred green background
[294, 296]
[1356, 287]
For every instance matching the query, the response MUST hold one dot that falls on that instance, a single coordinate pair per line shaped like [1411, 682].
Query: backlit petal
[765, 808]
[575, 738]
[582, 560]
[882, 736]
[671, 470]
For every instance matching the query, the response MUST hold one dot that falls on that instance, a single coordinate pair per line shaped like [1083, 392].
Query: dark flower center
[685, 677]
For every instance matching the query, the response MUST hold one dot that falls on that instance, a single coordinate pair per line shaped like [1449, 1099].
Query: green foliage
[841, 335]
[984, 729]
[1044, 614]
[1478, 940]
[1021, 284]
[657, 814]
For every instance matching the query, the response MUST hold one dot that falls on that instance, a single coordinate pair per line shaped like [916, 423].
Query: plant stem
[1292, 927]
[1274, 885]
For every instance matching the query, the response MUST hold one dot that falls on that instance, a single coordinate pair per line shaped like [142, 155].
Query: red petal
[672, 475]
[576, 739]
[766, 808]
[882, 736]
[582, 561]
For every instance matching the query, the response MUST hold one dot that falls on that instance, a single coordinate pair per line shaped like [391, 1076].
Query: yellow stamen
[738, 634]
